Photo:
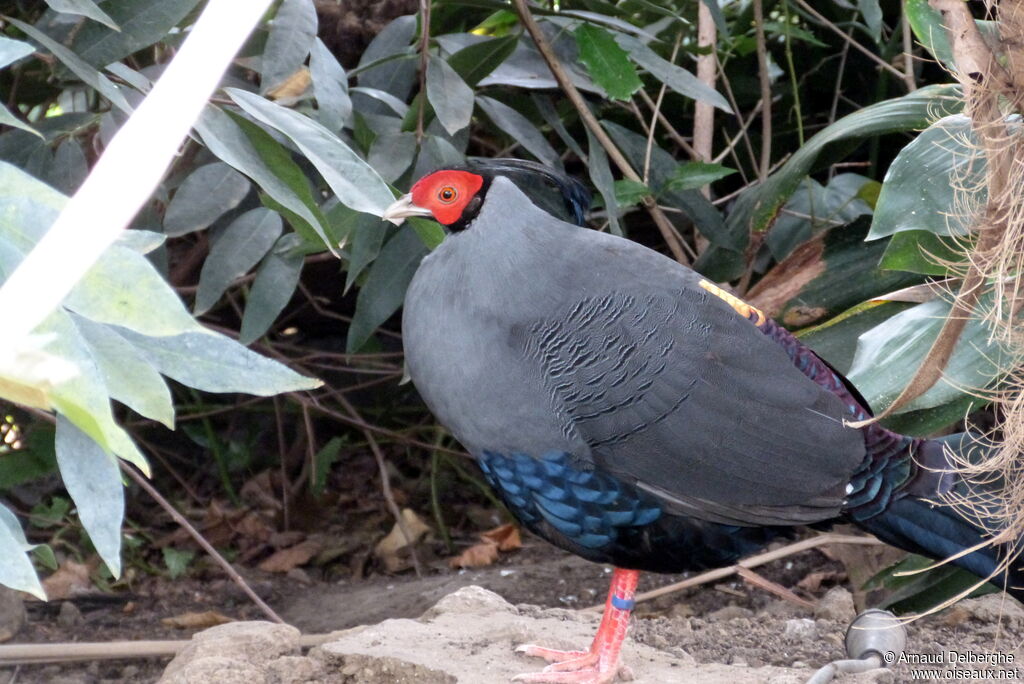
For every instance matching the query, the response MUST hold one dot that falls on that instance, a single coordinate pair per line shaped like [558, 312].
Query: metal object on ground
[874, 639]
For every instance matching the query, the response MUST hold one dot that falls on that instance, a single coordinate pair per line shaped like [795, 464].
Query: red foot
[601, 664]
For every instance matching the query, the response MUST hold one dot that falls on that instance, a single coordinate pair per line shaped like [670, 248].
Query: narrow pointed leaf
[520, 129]
[274, 286]
[354, 181]
[85, 8]
[93, 480]
[12, 50]
[474, 62]
[8, 119]
[449, 95]
[16, 569]
[142, 22]
[237, 249]
[601, 177]
[251, 150]
[128, 376]
[330, 87]
[214, 363]
[124, 288]
[385, 287]
[291, 36]
[207, 193]
[86, 72]
[672, 75]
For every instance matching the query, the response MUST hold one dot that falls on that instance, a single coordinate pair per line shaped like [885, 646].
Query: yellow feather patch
[742, 308]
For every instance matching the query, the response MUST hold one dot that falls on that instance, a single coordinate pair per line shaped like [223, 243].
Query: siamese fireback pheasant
[628, 410]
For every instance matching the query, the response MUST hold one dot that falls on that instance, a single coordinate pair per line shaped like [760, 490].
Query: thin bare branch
[201, 540]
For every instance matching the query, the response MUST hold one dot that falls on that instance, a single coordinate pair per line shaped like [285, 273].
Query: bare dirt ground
[674, 638]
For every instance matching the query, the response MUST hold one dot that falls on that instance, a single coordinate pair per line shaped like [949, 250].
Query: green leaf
[142, 22]
[606, 62]
[128, 376]
[124, 288]
[8, 119]
[330, 87]
[920, 251]
[93, 480]
[476, 61]
[12, 50]
[430, 232]
[78, 66]
[872, 13]
[835, 340]
[928, 422]
[449, 96]
[354, 181]
[927, 25]
[695, 175]
[368, 235]
[675, 77]
[85, 8]
[240, 247]
[291, 36]
[253, 151]
[629, 193]
[16, 570]
[70, 167]
[601, 176]
[384, 289]
[694, 205]
[757, 208]
[889, 354]
[272, 289]
[520, 129]
[919, 190]
[176, 561]
[323, 461]
[214, 363]
[392, 153]
[209, 192]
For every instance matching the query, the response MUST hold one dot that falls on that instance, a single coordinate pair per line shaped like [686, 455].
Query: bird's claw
[571, 667]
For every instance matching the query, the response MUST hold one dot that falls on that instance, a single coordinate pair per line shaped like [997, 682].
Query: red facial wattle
[446, 193]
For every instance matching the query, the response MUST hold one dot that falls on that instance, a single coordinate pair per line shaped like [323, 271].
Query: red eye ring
[447, 194]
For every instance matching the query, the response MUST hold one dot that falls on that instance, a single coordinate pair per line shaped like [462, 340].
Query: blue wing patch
[590, 507]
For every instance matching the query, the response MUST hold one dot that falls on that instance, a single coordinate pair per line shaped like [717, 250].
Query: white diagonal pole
[127, 172]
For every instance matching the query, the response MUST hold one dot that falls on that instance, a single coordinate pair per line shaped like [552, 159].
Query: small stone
[12, 613]
[800, 629]
[130, 673]
[836, 604]
[69, 615]
[993, 608]
[729, 613]
[470, 600]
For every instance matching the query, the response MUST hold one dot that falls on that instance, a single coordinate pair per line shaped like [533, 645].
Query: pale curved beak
[402, 208]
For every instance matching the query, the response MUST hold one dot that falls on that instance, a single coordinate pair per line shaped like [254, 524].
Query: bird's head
[453, 196]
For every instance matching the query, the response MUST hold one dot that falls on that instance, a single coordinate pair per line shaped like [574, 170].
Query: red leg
[600, 664]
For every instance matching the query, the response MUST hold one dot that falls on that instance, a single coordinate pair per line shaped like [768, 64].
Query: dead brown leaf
[292, 557]
[813, 580]
[476, 556]
[70, 579]
[191, 620]
[505, 536]
[387, 549]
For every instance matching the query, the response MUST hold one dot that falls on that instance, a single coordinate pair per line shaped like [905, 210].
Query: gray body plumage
[527, 334]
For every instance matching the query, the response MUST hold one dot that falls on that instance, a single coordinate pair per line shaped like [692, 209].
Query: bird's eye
[447, 194]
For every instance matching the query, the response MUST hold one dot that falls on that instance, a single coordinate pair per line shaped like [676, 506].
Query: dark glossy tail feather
[915, 520]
